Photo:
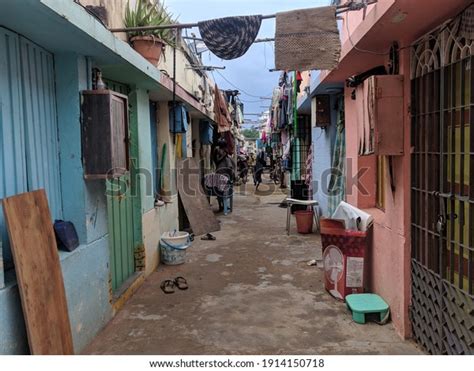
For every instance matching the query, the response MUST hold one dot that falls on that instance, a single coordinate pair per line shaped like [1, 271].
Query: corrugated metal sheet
[12, 155]
[41, 128]
[29, 157]
[13, 177]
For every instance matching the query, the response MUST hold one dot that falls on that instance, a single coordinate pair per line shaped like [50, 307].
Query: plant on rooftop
[151, 43]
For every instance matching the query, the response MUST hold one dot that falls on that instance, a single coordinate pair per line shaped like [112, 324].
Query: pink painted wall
[387, 21]
[391, 248]
[351, 20]
[403, 21]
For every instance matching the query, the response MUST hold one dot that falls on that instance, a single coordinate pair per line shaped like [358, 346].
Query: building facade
[406, 86]
[43, 73]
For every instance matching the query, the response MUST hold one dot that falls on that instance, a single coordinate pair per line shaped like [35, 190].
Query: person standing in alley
[252, 161]
[259, 166]
[225, 165]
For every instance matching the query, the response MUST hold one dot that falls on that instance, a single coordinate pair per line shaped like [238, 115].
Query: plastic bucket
[304, 221]
[173, 248]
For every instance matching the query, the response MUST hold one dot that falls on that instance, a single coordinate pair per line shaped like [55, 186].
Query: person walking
[259, 167]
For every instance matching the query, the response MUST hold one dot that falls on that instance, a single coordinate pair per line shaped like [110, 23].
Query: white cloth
[354, 218]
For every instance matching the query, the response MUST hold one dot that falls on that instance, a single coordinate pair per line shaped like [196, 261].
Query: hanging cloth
[230, 37]
[307, 39]
[221, 112]
[179, 146]
[308, 180]
[337, 181]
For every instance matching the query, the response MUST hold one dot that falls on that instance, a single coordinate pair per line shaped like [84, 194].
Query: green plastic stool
[362, 304]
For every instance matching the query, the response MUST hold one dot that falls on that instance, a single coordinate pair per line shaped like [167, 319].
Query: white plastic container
[173, 248]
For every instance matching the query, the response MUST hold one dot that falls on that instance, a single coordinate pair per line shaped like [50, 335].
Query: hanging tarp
[230, 37]
[307, 39]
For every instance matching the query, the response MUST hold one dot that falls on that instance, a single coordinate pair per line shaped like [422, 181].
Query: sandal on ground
[181, 283]
[208, 237]
[167, 286]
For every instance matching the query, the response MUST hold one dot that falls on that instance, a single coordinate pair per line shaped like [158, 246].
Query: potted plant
[150, 44]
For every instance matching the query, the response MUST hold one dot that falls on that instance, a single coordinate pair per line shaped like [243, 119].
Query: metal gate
[442, 306]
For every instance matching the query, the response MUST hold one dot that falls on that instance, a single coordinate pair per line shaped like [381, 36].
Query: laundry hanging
[230, 37]
[221, 112]
[307, 39]
[336, 187]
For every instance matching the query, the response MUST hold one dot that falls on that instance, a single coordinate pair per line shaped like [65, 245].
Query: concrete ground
[250, 292]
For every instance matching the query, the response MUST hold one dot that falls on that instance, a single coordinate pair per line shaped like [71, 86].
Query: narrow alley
[258, 180]
[250, 292]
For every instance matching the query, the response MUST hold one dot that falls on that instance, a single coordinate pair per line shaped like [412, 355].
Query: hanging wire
[236, 87]
[357, 48]
[252, 101]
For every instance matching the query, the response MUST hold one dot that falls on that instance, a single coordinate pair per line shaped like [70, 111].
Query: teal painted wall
[140, 125]
[86, 281]
[84, 203]
[12, 326]
[86, 270]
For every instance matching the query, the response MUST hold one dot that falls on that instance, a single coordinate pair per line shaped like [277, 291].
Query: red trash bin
[346, 258]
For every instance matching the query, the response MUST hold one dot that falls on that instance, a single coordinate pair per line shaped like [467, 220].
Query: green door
[120, 219]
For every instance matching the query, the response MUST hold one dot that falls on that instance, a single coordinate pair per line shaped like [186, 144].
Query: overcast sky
[250, 73]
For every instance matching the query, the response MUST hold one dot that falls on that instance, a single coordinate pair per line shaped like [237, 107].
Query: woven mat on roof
[307, 39]
[230, 37]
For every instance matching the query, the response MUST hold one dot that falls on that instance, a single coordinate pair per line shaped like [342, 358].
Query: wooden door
[121, 239]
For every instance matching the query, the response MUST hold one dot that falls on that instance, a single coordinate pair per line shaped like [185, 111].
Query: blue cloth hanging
[206, 132]
[181, 124]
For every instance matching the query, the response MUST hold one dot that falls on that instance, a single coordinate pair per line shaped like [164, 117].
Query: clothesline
[268, 39]
[340, 9]
[176, 26]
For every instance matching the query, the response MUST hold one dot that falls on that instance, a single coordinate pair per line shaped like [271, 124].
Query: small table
[292, 201]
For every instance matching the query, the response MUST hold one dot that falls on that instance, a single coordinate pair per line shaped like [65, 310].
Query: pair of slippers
[208, 237]
[168, 285]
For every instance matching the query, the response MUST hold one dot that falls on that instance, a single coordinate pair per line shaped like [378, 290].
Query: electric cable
[236, 87]
[357, 48]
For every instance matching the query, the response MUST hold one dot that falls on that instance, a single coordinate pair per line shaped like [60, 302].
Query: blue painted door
[29, 157]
